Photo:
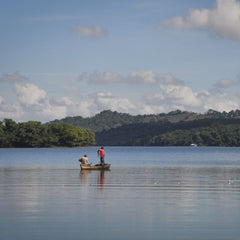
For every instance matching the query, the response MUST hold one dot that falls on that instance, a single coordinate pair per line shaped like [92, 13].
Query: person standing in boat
[101, 153]
[84, 159]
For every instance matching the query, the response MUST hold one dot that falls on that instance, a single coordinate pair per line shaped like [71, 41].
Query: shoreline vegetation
[176, 128]
[34, 134]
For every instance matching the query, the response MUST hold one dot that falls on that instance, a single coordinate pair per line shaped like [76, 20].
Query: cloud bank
[34, 103]
[179, 96]
[224, 19]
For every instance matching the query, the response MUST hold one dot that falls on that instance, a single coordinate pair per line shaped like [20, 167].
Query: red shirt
[102, 153]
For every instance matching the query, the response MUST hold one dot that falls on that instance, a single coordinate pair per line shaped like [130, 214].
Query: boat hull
[95, 167]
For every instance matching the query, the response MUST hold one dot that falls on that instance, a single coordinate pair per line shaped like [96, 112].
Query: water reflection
[168, 202]
[96, 178]
[138, 202]
[102, 179]
[84, 176]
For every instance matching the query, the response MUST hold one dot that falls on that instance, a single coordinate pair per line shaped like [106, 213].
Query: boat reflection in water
[93, 178]
[102, 179]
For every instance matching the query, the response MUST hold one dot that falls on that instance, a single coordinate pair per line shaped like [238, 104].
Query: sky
[62, 58]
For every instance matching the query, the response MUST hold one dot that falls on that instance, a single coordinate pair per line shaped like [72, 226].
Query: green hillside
[203, 132]
[176, 128]
[108, 119]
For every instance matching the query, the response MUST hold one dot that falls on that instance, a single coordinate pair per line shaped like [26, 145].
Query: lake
[150, 193]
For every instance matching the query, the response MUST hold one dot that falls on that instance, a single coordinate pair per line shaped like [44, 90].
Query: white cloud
[10, 110]
[33, 103]
[49, 112]
[85, 107]
[67, 101]
[220, 102]
[174, 96]
[180, 95]
[94, 31]
[29, 94]
[105, 101]
[224, 19]
[63, 101]
[12, 77]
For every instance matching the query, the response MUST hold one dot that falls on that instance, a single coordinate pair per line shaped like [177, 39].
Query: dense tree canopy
[34, 134]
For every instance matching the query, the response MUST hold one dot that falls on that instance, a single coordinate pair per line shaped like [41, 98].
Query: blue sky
[70, 58]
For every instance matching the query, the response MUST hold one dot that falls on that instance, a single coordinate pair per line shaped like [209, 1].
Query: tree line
[175, 128]
[35, 134]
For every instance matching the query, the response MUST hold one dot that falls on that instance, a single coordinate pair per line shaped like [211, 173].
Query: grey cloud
[170, 79]
[13, 77]
[224, 83]
[93, 32]
[109, 77]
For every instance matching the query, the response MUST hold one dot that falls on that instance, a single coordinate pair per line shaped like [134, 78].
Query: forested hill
[203, 132]
[109, 128]
[108, 119]
[175, 128]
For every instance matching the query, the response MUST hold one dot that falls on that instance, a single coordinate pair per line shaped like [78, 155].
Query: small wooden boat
[95, 167]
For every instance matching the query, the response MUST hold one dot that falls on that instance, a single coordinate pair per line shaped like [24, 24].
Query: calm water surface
[149, 193]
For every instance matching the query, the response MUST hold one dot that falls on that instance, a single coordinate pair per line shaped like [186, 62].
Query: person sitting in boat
[84, 159]
[102, 155]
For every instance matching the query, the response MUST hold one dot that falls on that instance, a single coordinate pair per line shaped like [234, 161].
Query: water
[149, 193]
